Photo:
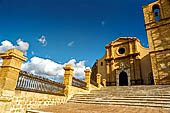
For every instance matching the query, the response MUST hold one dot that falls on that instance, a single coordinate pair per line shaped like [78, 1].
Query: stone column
[10, 68]
[68, 76]
[107, 53]
[98, 79]
[87, 78]
[112, 52]
[104, 82]
[130, 48]
[132, 71]
[107, 71]
[9, 73]
[112, 75]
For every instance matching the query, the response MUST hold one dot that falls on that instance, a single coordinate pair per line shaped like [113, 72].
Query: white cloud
[43, 40]
[42, 66]
[70, 43]
[21, 45]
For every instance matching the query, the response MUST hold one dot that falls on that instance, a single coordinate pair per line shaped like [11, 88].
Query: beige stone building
[127, 62]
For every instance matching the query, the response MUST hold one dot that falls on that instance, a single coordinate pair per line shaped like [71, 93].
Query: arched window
[156, 11]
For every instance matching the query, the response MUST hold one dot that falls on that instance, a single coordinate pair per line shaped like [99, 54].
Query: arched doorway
[123, 79]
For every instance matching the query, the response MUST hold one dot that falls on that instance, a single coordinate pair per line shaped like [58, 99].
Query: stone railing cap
[68, 67]
[13, 53]
[16, 51]
[87, 70]
[98, 74]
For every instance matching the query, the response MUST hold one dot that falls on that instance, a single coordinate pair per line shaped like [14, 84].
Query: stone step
[36, 111]
[105, 98]
[128, 96]
[126, 104]
[123, 100]
[121, 91]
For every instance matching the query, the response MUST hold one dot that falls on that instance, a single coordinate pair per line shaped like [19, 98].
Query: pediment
[123, 40]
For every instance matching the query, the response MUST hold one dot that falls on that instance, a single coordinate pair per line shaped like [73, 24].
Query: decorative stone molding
[118, 73]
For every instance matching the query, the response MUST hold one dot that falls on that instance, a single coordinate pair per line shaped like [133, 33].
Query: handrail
[34, 83]
[78, 83]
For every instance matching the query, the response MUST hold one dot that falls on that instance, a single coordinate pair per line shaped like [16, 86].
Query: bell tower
[157, 25]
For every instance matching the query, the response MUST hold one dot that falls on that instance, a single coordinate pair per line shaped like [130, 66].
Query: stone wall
[158, 32]
[23, 101]
[74, 90]
[161, 65]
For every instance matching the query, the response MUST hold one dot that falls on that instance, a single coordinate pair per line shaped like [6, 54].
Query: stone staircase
[146, 96]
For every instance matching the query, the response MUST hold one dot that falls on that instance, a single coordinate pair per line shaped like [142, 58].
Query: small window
[121, 50]
[101, 63]
[156, 11]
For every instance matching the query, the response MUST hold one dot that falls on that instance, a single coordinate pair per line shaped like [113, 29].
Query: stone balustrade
[16, 100]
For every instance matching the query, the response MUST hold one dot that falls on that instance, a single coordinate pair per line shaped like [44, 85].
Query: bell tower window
[156, 11]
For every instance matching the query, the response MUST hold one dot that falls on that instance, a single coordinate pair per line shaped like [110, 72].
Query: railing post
[68, 75]
[10, 68]
[104, 82]
[9, 73]
[87, 78]
[98, 79]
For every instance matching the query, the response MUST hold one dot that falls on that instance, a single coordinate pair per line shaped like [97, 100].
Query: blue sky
[77, 29]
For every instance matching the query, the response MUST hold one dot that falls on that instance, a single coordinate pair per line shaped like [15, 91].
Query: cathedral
[126, 62]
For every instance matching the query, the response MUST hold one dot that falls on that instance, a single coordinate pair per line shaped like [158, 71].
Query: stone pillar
[10, 68]
[107, 52]
[68, 75]
[130, 48]
[132, 75]
[9, 72]
[107, 71]
[112, 52]
[87, 78]
[98, 79]
[104, 82]
[112, 77]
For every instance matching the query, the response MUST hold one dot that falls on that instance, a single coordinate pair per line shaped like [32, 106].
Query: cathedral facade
[127, 62]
